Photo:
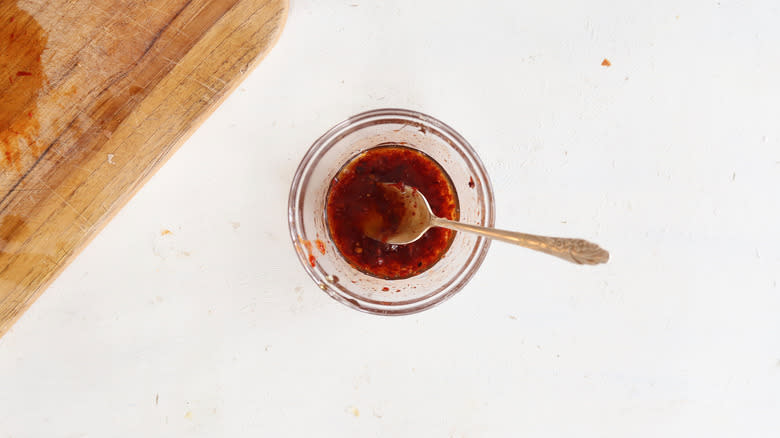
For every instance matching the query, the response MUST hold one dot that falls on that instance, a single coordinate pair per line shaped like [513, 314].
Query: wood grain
[94, 96]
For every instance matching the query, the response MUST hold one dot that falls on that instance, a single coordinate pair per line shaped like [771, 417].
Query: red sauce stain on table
[355, 198]
[22, 42]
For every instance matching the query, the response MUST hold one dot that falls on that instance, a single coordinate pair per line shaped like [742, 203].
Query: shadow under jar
[396, 146]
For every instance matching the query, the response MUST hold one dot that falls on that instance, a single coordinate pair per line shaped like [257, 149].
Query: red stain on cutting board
[22, 41]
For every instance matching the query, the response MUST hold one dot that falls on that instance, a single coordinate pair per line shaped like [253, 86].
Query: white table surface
[669, 158]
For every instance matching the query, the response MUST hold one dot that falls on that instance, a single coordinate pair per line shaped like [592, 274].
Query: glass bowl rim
[301, 179]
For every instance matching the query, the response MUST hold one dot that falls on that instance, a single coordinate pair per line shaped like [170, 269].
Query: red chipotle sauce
[355, 198]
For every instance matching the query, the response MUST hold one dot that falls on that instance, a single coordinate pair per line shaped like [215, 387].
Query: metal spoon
[418, 218]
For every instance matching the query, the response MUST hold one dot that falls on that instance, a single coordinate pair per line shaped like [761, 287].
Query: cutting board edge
[7, 324]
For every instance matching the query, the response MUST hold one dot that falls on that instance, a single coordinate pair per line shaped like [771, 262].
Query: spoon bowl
[414, 219]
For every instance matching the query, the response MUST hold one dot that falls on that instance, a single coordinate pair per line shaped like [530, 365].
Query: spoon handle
[577, 251]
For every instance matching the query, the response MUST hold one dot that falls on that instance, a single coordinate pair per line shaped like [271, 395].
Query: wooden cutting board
[94, 96]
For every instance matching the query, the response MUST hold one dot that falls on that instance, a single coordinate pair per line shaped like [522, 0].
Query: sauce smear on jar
[355, 200]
